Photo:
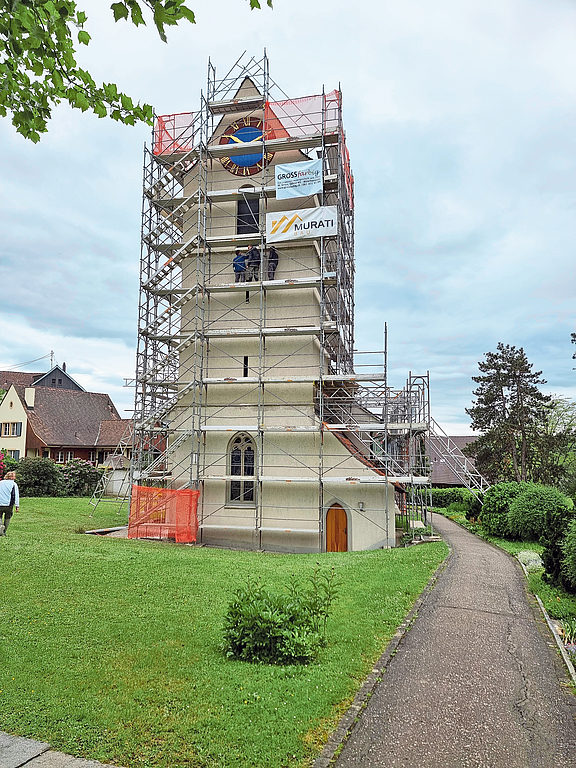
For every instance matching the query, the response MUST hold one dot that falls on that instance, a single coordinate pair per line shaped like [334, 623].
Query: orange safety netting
[174, 133]
[161, 513]
[294, 118]
[302, 117]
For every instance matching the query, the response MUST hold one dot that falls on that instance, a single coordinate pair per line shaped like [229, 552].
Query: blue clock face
[246, 130]
[245, 134]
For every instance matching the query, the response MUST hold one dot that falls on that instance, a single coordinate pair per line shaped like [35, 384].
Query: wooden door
[336, 530]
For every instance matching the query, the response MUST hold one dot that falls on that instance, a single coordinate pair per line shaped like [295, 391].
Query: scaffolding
[267, 363]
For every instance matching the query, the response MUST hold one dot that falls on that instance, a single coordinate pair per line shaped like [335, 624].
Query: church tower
[245, 385]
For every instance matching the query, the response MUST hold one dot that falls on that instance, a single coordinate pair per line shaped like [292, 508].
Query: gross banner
[305, 222]
[298, 179]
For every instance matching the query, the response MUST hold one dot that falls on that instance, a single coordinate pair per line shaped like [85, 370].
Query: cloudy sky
[461, 123]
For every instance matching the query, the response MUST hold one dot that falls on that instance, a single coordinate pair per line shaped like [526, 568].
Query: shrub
[558, 513]
[568, 547]
[39, 477]
[80, 477]
[10, 464]
[443, 497]
[475, 507]
[496, 503]
[527, 511]
[279, 628]
[458, 507]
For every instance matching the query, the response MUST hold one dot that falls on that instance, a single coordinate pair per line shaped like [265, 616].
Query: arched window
[242, 461]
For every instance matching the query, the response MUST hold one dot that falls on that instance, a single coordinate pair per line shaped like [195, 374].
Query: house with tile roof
[61, 422]
[56, 378]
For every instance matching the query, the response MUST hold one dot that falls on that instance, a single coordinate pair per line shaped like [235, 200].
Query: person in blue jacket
[239, 264]
[9, 499]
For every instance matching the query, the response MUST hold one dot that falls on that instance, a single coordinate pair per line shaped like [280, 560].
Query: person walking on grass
[9, 499]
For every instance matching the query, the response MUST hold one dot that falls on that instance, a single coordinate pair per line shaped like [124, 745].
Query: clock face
[240, 132]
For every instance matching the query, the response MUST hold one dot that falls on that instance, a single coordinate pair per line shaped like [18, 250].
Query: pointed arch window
[242, 463]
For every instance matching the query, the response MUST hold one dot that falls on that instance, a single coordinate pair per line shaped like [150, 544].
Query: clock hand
[239, 141]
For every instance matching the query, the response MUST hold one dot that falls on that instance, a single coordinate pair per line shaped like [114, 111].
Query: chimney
[64, 367]
[29, 396]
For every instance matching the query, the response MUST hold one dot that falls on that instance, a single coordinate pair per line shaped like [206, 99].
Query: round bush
[497, 500]
[526, 514]
[39, 477]
[568, 547]
[80, 477]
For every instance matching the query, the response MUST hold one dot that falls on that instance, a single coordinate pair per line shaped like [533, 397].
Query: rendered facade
[248, 376]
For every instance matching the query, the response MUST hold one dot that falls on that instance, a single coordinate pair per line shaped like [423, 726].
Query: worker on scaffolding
[272, 262]
[239, 265]
[253, 259]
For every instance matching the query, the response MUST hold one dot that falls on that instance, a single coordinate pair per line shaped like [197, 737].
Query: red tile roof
[113, 431]
[7, 378]
[66, 417]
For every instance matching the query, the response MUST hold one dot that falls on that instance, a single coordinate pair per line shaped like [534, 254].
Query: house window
[69, 455]
[59, 382]
[241, 461]
[248, 218]
[92, 456]
[14, 454]
[54, 382]
[11, 429]
[59, 457]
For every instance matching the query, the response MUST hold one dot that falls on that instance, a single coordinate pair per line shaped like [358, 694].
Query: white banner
[302, 223]
[298, 179]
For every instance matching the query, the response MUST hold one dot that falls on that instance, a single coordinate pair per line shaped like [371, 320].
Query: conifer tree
[508, 410]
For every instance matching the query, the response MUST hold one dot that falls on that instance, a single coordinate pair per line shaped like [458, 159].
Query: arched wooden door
[336, 529]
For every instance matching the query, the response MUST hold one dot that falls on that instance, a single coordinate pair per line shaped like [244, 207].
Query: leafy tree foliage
[552, 457]
[38, 68]
[508, 407]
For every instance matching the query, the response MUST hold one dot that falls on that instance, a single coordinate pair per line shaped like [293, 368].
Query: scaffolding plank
[329, 278]
[269, 529]
[304, 330]
[294, 379]
[236, 105]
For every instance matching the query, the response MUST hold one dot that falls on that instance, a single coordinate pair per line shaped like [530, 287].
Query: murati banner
[300, 224]
[298, 179]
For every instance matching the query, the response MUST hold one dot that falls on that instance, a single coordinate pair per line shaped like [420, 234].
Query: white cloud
[460, 119]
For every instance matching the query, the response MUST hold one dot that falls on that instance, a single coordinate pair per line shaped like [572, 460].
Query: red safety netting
[161, 513]
[295, 118]
[302, 117]
[174, 133]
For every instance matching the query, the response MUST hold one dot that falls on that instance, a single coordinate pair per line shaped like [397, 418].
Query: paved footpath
[16, 752]
[476, 683]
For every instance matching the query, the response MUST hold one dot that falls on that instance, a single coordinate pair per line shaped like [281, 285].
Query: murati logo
[286, 223]
[277, 224]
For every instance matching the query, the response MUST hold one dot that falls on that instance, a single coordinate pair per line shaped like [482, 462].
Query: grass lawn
[109, 648]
